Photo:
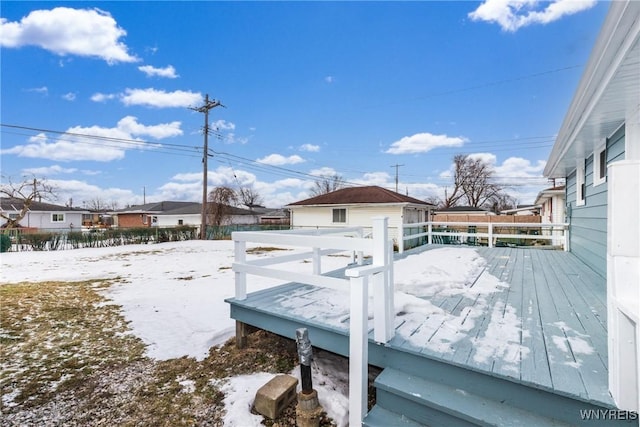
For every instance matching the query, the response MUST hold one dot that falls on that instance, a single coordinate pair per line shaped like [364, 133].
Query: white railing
[444, 232]
[325, 242]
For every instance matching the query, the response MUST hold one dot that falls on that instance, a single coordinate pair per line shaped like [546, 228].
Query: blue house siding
[588, 237]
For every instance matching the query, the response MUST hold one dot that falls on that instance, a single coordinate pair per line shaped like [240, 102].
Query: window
[580, 185]
[154, 220]
[340, 215]
[57, 217]
[600, 165]
[144, 218]
[180, 222]
[13, 216]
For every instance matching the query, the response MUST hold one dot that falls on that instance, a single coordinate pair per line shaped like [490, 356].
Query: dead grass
[68, 358]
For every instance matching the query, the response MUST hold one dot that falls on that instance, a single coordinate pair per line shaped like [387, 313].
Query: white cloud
[168, 71]
[310, 148]
[424, 142]
[329, 79]
[512, 15]
[324, 171]
[65, 31]
[102, 97]
[158, 98]
[111, 144]
[223, 125]
[69, 96]
[43, 90]
[49, 170]
[279, 160]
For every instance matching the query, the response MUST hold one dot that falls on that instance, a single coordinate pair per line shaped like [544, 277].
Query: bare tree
[26, 192]
[472, 182]
[250, 197]
[221, 200]
[502, 201]
[327, 184]
[100, 205]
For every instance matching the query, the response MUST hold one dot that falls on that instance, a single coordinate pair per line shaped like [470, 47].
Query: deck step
[380, 417]
[433, 404]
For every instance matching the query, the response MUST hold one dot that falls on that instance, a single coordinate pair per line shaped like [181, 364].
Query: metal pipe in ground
[308, 410]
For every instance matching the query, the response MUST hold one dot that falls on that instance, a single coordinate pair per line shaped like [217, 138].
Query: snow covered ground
[173, 294]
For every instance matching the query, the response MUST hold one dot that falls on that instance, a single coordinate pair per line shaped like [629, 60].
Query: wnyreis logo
[608, 414]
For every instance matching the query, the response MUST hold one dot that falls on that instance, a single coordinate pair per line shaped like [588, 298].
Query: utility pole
[396, 166]
[208, 105]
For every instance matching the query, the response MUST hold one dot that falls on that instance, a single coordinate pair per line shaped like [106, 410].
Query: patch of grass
[57, 333]
[263, 249]
[67, 351]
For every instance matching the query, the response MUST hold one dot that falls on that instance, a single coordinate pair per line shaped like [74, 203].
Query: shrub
[5, 243]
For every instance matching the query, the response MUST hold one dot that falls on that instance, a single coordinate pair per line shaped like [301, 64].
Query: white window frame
[581, 187]
[57, 217]
[333, 221]
[597, 167]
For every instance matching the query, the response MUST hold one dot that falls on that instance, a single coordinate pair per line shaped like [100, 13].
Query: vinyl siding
[588, 238]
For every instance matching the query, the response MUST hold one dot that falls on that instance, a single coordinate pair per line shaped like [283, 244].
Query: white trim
[597, 168]
[581, 187]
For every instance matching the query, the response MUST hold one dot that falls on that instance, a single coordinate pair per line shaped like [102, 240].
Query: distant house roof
[522, 208]
[461, 209]
[176, 208]
[12, 204]
[359, 195]
[548, 193]
[160, 207]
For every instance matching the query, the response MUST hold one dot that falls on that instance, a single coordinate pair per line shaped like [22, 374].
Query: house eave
[608, 90]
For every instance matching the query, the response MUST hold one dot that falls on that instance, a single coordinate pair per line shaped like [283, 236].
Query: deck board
[546, 320]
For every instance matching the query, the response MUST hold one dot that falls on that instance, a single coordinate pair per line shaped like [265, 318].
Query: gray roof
[176, 208]
[12, 204]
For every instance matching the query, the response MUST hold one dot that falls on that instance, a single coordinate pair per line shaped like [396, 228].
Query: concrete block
[274, 396]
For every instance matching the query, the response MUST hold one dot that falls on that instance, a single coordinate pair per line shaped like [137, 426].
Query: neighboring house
[355, 206]
[43, 216]
[597, 151]
[522, 210]
[552, 202]
[171, 214]
[552, 211]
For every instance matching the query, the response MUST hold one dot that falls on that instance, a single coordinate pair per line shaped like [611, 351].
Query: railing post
[358, 350]
[400, 238]
[566, 237]
[390, 290]
[240, 254]
[317, 267]
[429, 233]
[490, 234]
[381, 293]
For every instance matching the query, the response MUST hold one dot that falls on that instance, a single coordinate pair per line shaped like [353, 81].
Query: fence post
[358, 350]
[490, 234]
[390, 289]
[566, 237]
[429, 233]
[400, 238]
[240, 254]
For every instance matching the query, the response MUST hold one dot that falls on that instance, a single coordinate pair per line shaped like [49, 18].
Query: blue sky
[310, 88]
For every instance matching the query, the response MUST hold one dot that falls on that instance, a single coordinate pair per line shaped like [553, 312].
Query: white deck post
[400, 237]
[429, 233]
[240, 254]
[623, 282]
[566, 238]
[317, 259]
[389, 330]
[358, 350]
[381, 297]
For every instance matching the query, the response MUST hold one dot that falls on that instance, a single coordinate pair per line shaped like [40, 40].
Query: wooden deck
[532, 318]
